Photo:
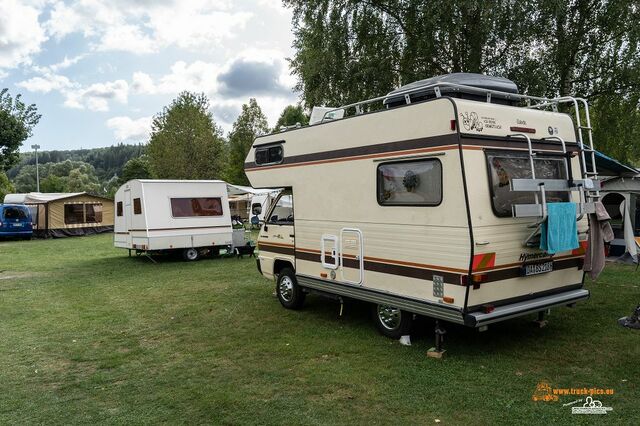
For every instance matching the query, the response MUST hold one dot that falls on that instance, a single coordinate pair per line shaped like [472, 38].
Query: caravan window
[282, 212]
[410, 183]
[269, 155]
[73, 213]
[93, 213]
[137, 206]
[119, 208]
[504, 166]
[191, 207]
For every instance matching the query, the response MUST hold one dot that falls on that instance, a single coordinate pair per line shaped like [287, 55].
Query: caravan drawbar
[432, 205]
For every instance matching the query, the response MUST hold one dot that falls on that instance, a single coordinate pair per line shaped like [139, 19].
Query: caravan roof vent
[457, 85]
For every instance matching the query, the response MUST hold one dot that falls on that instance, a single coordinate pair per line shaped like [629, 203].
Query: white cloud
[66, 63]
[198, 76]
[96, 97]
[146, 26]
[20, 33]
[125, 128]
[46, 83]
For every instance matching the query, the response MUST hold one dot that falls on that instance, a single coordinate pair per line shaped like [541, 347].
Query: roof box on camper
[451, 86]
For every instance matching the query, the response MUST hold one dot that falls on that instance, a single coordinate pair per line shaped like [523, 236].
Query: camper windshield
[282, 212]
[505, 166]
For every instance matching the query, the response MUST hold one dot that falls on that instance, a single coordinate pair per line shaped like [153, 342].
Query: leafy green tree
[53, 183]
[16, 123]
[136, 168]
[79, 180]
[250, 123]
[185, 142]
[291, 116]
[6, 187]
[350, 50]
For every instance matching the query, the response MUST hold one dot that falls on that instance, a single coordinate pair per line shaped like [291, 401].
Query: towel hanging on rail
[560, 231]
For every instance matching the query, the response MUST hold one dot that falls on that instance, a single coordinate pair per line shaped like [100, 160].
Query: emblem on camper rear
[471, 121]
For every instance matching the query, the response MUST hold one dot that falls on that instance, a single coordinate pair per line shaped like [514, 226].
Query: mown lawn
[90, 335]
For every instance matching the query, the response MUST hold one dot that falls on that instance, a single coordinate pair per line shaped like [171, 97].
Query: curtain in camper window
[190, 207]
[503, 167]
[410, 183]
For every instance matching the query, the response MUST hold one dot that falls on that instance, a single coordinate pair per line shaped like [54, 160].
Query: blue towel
[560, 231]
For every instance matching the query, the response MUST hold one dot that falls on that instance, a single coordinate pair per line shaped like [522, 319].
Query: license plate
[17, 225]
[536, 268]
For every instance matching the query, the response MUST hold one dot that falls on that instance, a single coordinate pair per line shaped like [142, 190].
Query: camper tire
[289, 293]
[391, 321]
[190, 254]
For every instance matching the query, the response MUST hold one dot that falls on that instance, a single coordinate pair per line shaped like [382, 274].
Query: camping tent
[66, 214]
[240, 198]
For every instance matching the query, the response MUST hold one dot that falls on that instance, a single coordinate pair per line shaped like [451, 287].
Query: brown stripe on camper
[565, 262]
[419, 145]
[386, 266]
[277, 248]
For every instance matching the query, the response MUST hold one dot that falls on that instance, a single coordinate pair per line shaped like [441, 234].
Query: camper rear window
[93, 213]
[190, 207]
[410, 183]
[73, 213]
[119, 208]
[515, 165]
[269, 155]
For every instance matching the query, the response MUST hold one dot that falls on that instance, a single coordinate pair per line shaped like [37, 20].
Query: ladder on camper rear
[588, 187]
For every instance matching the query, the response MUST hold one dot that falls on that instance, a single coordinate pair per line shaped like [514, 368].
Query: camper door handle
[482, 243]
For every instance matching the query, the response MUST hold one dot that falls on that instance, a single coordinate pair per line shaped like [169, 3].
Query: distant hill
[107, 161]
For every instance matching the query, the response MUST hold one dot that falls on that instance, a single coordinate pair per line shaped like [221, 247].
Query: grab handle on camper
[543, 198]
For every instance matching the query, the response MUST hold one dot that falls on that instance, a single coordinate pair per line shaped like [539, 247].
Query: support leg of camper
[129, 252]
[438, 351]
[541, 322]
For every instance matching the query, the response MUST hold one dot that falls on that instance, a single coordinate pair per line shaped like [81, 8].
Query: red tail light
[489, 308]
[453, 124]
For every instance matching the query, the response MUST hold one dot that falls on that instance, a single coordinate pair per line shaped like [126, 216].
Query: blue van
[15, 221]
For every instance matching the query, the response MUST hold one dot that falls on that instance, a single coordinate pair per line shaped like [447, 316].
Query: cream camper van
[174, 215]
[429, 200]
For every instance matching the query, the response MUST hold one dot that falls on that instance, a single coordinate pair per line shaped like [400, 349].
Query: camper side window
[410, 183]
[73, 213]
[191, 207]
[269, 155]
[119, 208]
[282, 212]
[137, 206]
[505, 166]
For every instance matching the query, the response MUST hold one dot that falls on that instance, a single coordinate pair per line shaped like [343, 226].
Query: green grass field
[90, 335]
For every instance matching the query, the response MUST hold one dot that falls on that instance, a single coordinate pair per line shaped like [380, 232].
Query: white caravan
[190, 216]
[433, 205]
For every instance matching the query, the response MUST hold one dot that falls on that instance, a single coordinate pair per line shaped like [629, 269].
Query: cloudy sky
[98, 70]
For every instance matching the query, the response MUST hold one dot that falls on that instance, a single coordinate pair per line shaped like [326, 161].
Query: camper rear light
[489, 308]
[477, 279]
[447, 299]
[452, 123]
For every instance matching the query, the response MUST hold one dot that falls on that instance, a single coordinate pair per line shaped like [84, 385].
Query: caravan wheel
[191, 254]
[391, 321]
[289, 292]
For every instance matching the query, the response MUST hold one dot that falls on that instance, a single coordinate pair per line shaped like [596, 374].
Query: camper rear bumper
[505, 312]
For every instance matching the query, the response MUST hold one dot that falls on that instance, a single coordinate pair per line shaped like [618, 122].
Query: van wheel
[391, 321]
[190, 254]
[289, 292]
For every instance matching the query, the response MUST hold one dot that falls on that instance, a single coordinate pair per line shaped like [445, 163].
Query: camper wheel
[289, 292]
[191, 254]
[391, 321]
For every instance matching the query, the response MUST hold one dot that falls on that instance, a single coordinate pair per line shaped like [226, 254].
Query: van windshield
[15, 213]
[505, 166]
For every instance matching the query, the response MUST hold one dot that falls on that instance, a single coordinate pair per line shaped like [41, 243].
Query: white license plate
[537, 268]
[17, 225]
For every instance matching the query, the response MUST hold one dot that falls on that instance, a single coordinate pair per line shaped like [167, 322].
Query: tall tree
[6, 187]
[349, 50]
[185, 142]
[17, 120]
[292, 115]
[136, 168]
[250, 123]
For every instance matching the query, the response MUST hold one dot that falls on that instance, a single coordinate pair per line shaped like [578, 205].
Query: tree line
[350, 50]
